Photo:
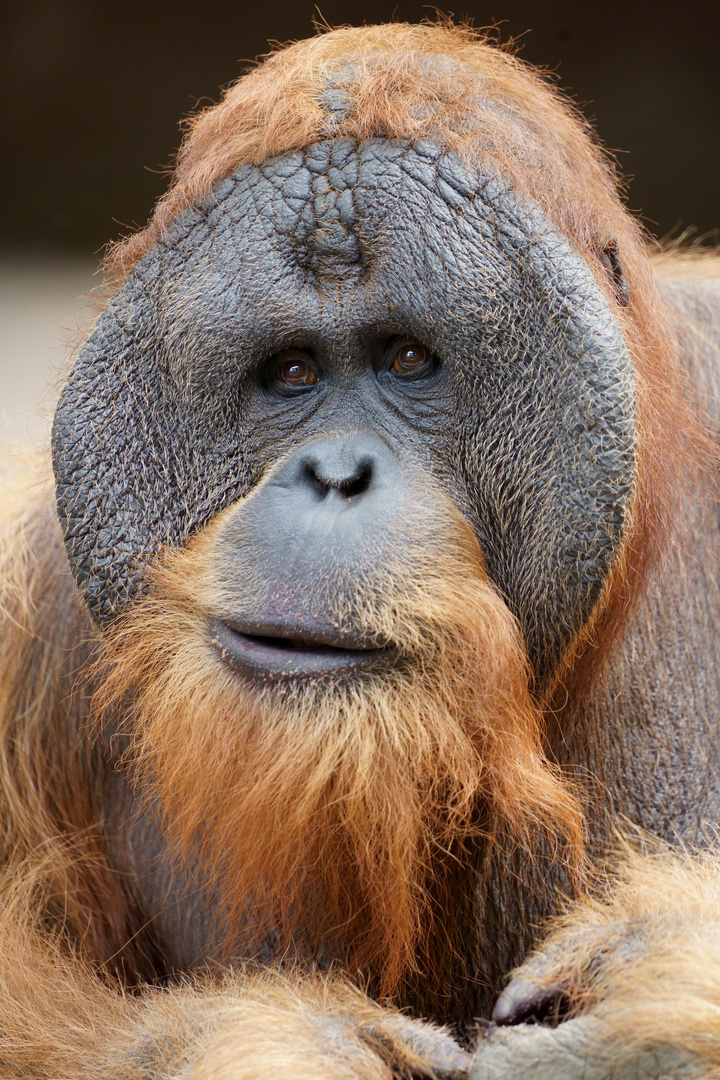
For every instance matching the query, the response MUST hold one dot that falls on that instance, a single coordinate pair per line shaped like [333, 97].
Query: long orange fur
[481, 738]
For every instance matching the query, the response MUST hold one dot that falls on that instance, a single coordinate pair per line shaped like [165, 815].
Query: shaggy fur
[59, 1020]
[361, 807]
[51, 774]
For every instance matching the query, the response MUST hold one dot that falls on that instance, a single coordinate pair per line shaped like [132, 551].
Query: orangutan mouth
[277, 652]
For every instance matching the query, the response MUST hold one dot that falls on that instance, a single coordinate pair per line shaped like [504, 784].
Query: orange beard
[326, 811]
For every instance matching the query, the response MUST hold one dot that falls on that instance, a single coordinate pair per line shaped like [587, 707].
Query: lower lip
[255, 659]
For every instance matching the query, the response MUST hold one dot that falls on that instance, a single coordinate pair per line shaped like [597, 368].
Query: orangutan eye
[294, 372]
[411, 359]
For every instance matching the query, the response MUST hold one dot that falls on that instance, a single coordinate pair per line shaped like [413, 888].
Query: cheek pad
[130, 476]
[551, 456]
[114, 452]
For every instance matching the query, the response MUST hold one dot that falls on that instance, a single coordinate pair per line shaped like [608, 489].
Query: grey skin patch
[527, 422]
[577, 1050]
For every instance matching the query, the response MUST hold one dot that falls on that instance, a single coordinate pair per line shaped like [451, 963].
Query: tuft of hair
[333, 812]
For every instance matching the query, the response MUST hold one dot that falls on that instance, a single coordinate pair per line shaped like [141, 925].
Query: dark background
[92, 92]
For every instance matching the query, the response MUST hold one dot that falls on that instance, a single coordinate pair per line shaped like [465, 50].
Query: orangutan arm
[58, 1018]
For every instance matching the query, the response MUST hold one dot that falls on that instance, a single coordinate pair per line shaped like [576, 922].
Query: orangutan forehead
[338, 203]
[375, 213]
[329, 213]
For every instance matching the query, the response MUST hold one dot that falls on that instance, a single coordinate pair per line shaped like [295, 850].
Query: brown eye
[410, 359]
[294, 372]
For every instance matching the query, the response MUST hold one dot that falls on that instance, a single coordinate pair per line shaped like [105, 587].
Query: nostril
[348, 487]
[319, 484]
[357, 484]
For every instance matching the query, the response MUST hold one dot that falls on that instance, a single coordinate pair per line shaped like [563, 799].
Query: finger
[440, 1055]
[523, 1000]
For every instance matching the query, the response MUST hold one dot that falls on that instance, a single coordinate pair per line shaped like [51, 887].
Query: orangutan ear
[610, 260]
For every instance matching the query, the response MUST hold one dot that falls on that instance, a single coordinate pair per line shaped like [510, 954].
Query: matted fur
[331, 812]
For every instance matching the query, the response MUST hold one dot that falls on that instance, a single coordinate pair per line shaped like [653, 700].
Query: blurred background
[92, 93]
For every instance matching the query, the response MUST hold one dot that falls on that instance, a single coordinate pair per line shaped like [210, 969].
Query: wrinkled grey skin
[528, 422]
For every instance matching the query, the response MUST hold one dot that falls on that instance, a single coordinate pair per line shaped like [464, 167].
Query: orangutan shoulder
[689, 287]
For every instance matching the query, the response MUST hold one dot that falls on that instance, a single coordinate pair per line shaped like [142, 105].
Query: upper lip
[309, 636]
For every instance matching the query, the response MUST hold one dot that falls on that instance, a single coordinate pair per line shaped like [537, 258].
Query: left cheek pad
[129, 478]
